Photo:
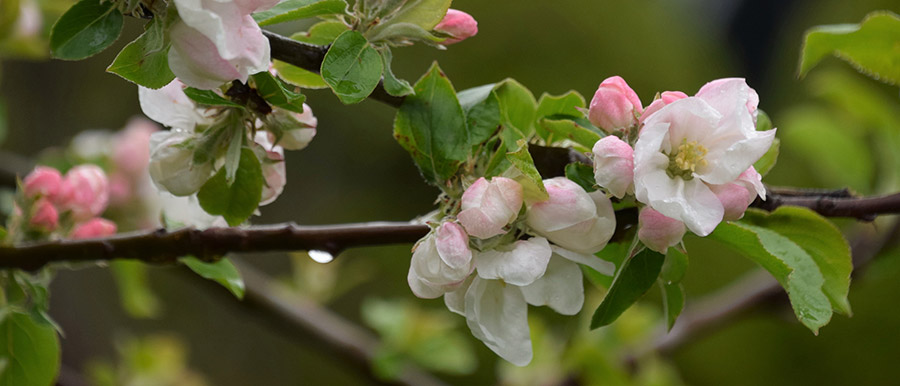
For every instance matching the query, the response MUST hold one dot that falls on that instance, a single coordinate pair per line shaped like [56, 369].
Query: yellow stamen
[686, 159]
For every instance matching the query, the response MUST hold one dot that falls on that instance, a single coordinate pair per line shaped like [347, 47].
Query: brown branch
[309, 57]
[315, 326]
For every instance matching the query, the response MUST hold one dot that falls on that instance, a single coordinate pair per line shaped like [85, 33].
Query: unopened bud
[615, 105]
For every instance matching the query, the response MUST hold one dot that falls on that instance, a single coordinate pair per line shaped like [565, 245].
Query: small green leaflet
[517, 107]
[673, 271]
[223, 272]
[30, 351]
[524, 172]
[557, 105]
[393, 85]
[237, 201]
[420, 14]
[352, 68]
[431, 126]
[583, 175]
[277, 93]
[208, 97]
[482, 109]
[322, 33]
[85, 29]
[299, 9]
[794, 269]
[632, 281]
[145, 60]
[870, 47]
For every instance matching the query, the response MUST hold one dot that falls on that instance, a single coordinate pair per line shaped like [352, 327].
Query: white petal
[604, 267]
[456, 299]
[169, 106]
[498, 316]
[692, 201]
[725, 166]
[520, 264]
[561, 287]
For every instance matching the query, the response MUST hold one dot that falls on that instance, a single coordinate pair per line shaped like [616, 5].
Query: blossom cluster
[69, 205]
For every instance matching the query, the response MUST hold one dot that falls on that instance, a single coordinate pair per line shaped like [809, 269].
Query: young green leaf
[583, 175]
[517, 106]
[145, 60]
[352, 68]
[223, 272]
[424, 14]
[526, 173]
[794, 269]
[29, 349]
[632, 281]
[299, 9]
[431, 126]
[870, 47]
[559, 105]
[563, 127]
[135, 293]
[208, 97]
[277, 93]
[393, 85]
[237, 201]
[821, 240]
[482, 119]
[85, 29]
[322, 33]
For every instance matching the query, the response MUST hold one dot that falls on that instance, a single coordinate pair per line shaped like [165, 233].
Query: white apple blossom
[487, 207]
[172, 166]
[693, 144]
[572, 218]
[217, 41]
[441, 261]
[614, 165]
[170, 106]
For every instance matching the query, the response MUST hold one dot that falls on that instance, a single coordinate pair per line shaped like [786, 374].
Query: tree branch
[309, 57]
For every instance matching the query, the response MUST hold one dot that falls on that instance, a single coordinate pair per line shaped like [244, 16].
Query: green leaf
[277, 93]
[299, 9]
[632, 281]
[673, 301]
[794, 269]
[223, 272]
[208, 97]
[431, 126]
[763, 122]
[85, 29]
[30, 351]
[821, 240]
[137, 298]
[323, 34]
[870, 47]
[526, 174]
[765, 163]
[239, 200]
[482, 118]
[352, 68]
[424, 14]
[517, 106]
[393, 85]
[565, 128]
[145, 60]
[583, 175]
[566, 104]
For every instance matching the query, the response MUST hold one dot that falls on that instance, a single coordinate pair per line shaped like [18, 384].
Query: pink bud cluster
[691, 160]
[81, 196]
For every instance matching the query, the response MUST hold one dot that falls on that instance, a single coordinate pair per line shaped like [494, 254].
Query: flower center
[685, 160]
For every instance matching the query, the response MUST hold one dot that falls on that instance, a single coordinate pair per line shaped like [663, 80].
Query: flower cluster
[518, 257]
[689, 161]
[67, 205]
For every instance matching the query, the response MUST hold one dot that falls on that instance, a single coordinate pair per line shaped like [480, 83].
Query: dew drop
[320, 256]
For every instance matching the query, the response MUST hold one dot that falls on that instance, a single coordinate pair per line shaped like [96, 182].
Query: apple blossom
[615, 105]
[694, 143]
[172, 164]
[93, 228]
[487, 207]
[441, 261]
[296, 130]
[657, 231]
[458, 24]
[737, 196]
[88, 191]
[45, 215]
[43, 181]
[614, 165]
[573, 218]
[218, 41]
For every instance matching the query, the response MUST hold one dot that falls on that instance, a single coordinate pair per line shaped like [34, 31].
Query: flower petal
[497, 314]
[520, 264]
[561, 288]
[692, 201]
[605, 267]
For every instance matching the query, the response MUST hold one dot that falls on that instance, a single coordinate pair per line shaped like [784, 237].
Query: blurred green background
[354, 171]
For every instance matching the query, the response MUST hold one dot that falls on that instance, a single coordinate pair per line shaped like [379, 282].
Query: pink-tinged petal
[43, 181]
[520, 263]
[726, 166]
[479, 224]
[94, 228]
[614, 105]
[456, 300]
[691, 202]
[512, 193]
[169, 106]
[453, 245]
[195, 60]
[752, 180]
[487, 207]
[429, 277]
[665, 98]
[614, 165]
[89, 191]
[497, 314]
[734, 99]
[561, 288]
[734, 198]
[458, 24]
[657, 231]
[568, 204]
[45, 216]
[604, 267]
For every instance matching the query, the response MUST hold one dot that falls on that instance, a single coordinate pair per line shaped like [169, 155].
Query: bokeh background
[353, 171]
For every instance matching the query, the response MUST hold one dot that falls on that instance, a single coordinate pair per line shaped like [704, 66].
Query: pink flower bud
[615, 105]
[734, 198]
[441, 262]
[45, 215]
[572, 218]
[459, 25]
[614, 165]
[665, 98]
[657, 231]
[452, 244]
[131, 147]
[89, 191]
[93, 228]
[43, 181]
[488, 206]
